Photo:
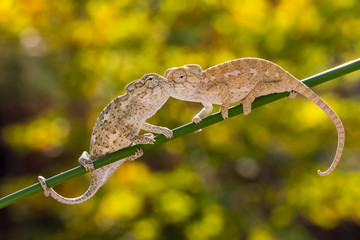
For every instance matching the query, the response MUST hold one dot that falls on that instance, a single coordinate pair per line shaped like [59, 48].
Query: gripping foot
[86, 161]
[292, 95]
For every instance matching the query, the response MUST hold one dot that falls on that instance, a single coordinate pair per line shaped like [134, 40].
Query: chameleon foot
[42, 182]
[86, 161]
[168, 133]
[292, 95]
[165, 131]
[139, 152]
[246, 103]
[224, 112]
[147, 138]
[246, 109]
[150, 135]
[196, 119]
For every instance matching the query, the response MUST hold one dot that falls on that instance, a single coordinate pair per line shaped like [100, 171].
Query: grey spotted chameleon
[243, 80]
[117, 127]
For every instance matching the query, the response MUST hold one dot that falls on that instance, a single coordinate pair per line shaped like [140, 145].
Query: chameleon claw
[165, 131]
[150, 135]
[246, 107]
[196, 120]
[224, 112]
[168, 133]
[139, 152]
[292, 95]
[86, 161]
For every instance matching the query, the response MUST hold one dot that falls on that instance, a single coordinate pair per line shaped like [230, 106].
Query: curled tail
[98, 178]
[312, 96]
[93, 188]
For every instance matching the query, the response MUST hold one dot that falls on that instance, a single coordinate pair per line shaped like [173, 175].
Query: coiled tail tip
[327, 172]
[42, 181]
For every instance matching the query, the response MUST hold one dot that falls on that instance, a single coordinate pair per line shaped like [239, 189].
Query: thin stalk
[178, 132]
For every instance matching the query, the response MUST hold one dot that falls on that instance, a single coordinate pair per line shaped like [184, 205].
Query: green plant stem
[178, 132]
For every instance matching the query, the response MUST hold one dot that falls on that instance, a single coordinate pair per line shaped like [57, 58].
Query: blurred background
[253, 177]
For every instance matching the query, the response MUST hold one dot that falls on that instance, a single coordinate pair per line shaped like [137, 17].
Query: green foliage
[250, 177]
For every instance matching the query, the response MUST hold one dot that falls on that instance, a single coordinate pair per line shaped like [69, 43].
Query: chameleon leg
[147, 138]
[203, 113]
[263, 88]
[157, 129]
[223, 89]
[249, 99]
[224, 109]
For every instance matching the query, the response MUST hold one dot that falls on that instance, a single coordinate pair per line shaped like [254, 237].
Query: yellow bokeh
[261, 233]
[282, 216]
[147, 229]
[44, 134]
[209, 226]
[251, 177]
[175, 206]
[132, 173]
[122, 204]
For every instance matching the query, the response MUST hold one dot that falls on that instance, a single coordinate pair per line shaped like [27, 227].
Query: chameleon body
[118, 126]
[243, 80]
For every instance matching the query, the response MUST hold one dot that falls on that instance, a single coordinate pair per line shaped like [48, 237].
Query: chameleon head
[151, 87]
[184, 78]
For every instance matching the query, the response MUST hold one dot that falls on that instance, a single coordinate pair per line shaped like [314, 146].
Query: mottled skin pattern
[118, 127]
[243, 80]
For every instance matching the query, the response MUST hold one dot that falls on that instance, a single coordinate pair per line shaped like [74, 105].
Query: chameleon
[243, 80]
[117, 127]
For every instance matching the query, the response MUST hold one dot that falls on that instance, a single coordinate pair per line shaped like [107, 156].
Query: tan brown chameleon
[118, 127]
[243, 80]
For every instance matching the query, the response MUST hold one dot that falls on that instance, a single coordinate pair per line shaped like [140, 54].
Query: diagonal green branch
[178, 132]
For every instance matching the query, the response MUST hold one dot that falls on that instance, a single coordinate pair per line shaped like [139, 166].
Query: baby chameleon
[118, 127]
[243, 80]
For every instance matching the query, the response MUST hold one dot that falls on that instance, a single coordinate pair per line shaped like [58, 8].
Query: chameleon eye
[179, 76]
[151, 81]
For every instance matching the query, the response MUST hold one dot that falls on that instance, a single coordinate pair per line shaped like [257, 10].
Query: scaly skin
[243, 80]
[118, 126]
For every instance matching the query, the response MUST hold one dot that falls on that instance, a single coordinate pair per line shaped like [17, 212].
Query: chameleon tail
[98, 178]
[93, 188]
[312, 96]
